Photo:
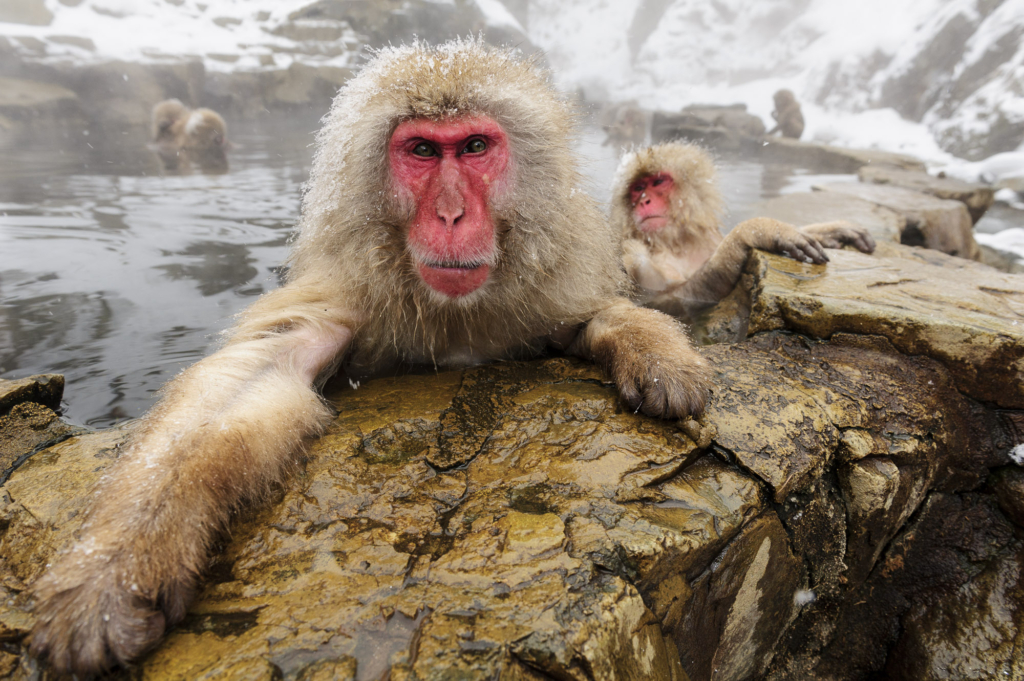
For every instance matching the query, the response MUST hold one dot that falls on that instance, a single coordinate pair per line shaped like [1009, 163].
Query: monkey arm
[718, 276]
[650, 358]
[840, 233]
[223, 433]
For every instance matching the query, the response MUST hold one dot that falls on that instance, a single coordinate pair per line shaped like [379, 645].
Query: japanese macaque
[789, 122]
[627, 126]
[665, 201]
[184, 138]
[443, 224]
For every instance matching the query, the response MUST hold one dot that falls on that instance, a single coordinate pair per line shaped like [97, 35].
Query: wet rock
[28, 421]
[26, 428]
[515, 520]
[940, 224]
[826, 158]
[949, 543]
[1008, 484]
[46, 389]
[807, 208]
[977, 632]
[978, 198]
[972, 322]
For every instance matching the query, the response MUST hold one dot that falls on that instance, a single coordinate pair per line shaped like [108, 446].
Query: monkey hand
[840, 233]
[650, 358]
[778, 237]
[94, 614]
[636, 258]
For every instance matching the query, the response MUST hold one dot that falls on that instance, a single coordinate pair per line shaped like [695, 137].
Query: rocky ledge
[848, 507]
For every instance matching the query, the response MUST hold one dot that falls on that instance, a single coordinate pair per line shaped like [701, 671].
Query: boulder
[965, 315]
[515, 521]
[931, 222]
[807, 208]
[827, 158]
[28, 420]
[28, 102]
[978, 198]
[723, 128]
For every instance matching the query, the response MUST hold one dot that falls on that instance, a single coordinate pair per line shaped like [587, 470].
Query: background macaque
[184, 138]
[443, 224]
[666, 202]
[626, 125]
[789, 122]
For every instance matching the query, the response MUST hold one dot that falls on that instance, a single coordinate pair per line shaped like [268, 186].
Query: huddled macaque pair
[789, 121]
[185, 139]
[442, 225]
[667, 206]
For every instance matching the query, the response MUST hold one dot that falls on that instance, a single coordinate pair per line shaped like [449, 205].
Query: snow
[148, 31]
[839, 58]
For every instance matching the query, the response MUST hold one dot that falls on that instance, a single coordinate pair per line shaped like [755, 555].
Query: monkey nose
[450, 216]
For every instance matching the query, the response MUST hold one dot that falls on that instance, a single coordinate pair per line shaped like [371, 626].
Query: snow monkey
[666, 203]
[789, 122]
[183, 137]
[443, 224]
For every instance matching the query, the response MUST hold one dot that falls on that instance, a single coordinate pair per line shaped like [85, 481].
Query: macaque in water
[443, 224]
[184, 138]
[627, 127]
[789, 122]
[665, 201]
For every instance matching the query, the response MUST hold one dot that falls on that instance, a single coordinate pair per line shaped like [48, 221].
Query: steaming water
[119, 277]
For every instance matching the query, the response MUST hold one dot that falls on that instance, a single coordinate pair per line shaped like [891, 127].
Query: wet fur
[230, 427]
[184, 137]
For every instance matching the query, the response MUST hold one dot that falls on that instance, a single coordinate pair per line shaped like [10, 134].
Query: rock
[515, 520]
[972, 322]
[977, 632]
[807, 208]
[46, 389]
[27, 418]
[1000, 259]
[1008, 484]
[826, 158]
[724, 128]
[931, 222]
[26, 428]
[30, 102]
[978, 198]
[25, 12]
[77, 41]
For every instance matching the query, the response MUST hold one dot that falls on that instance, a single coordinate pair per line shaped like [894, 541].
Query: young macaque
[666, 203]
[789, 122]
[184, 138]
[443, 224]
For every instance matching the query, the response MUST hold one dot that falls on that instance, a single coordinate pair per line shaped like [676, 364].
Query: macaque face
[651, 197]
[449, 172]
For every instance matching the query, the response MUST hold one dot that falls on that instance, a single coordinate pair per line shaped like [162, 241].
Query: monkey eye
[475, 147]
[657, 181]
[425, 150]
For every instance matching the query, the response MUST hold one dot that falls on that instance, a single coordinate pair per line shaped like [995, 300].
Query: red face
[651, 198]
[449, 170]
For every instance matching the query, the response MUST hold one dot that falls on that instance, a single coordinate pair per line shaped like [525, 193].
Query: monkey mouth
[652, 223]
[453, 278]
